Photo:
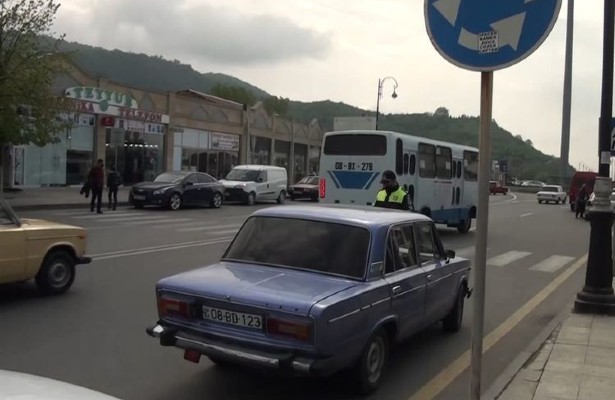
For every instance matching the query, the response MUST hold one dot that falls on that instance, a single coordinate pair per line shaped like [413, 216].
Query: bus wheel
[465, 225]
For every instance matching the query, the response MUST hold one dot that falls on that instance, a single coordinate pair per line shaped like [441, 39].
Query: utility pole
[565, 146]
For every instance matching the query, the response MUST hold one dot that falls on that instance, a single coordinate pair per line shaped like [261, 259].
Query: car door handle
[396, 289]
[429, 277]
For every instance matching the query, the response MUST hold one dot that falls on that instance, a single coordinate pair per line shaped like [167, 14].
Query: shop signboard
[221, 141]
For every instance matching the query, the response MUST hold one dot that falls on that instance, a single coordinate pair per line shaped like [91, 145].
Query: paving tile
[519, 390]
[565, 366]
[547, 398]
[594, 370]
[563, 385]
[539, 359]
[596, 388]
[568, 352]
[602, 338]
[574, 335]
[579, 320]
[600, 356]
[531, 375]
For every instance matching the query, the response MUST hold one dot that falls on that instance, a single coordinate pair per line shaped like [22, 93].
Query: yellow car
[41, 250]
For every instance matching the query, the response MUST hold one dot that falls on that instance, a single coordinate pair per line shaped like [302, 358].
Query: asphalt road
[94, 335]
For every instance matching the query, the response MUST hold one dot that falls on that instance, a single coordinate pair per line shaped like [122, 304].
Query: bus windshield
[355, 145]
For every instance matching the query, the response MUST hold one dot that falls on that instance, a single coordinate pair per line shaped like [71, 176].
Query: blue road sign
[487, 35]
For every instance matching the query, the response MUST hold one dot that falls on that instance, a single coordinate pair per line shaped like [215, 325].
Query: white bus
[440, 177]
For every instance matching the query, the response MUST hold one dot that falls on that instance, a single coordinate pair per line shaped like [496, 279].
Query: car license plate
[138, 197]
[233, 318]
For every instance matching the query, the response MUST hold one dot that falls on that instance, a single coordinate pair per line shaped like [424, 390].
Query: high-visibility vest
[395, 197]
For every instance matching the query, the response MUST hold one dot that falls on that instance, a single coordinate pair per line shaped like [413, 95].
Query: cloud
[180, 28]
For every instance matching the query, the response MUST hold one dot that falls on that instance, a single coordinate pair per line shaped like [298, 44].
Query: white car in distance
[551, 193]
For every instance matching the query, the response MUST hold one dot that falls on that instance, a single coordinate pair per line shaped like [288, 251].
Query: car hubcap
[58, 274]
[217, 200]
[375, 360]
[175, 201]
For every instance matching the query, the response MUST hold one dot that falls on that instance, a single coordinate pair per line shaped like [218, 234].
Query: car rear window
[304, 244]
[549, 189]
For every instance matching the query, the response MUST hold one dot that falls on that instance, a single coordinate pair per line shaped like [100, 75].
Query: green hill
[156, 73]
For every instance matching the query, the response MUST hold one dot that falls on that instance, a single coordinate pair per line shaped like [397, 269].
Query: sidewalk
[576, 363]
[57, 198]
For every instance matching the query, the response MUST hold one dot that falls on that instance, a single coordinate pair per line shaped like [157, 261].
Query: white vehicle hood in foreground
[20, 386]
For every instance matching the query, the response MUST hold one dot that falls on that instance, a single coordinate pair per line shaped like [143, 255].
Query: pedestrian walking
[96, 178]
[581, 202]
[113, 183]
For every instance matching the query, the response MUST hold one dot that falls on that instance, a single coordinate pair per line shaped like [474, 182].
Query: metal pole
[565, 145]
[378, 101]
[482, 222]
[597, 295]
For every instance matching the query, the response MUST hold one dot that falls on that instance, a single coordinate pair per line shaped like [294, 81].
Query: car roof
[369, 217]
[257, 167]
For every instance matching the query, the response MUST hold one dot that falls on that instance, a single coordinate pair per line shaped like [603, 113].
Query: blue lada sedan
[313, 290]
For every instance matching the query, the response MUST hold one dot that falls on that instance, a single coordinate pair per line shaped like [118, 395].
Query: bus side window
[459, 169]
[427, 160]
[458, 195]
[454, 169]
[406, 163]
[412, 168]
[399, 163]
[470, 162]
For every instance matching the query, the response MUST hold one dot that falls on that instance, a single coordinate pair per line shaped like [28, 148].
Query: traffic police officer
[391, 195]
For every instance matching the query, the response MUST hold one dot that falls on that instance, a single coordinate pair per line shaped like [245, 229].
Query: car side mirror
[450, 254]
[259, 179]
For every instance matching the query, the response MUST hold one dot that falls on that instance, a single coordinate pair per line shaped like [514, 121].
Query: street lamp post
[394, 95]
[597, 293]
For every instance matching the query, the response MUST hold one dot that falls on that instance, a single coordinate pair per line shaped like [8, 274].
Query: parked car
[535, 184]
[496, 187]
[371, 278]
[177, 189]
[252, 183]
[551, 193]
[306, 188]
[19, 385]
[579, 179]
[41, 250]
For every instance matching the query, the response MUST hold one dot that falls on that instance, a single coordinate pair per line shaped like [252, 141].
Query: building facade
[143, 133]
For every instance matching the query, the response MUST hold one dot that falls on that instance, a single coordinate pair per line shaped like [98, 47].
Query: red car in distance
[496, 187]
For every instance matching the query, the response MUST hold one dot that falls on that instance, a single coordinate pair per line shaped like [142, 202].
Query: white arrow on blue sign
[487, 35]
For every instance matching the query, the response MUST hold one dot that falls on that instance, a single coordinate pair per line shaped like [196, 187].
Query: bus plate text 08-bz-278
[355, 166]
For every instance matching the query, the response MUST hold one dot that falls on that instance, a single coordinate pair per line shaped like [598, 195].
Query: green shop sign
[103, 97]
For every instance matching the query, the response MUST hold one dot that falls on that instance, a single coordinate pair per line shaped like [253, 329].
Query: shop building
[145, 133]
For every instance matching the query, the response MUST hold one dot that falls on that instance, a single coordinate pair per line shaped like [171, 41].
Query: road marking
[526, 215]
[467, 251]
[552, 264]
[166, 221]
[134, 219]
[226, 232]
[438, 383]
[507, 258]
[513, 199]
[206, 228]
[156, 249]
[107, 216]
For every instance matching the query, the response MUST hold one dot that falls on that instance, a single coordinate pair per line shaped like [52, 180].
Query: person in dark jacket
[581, 202]
[391, 195]
[113, 183]
[96, 177]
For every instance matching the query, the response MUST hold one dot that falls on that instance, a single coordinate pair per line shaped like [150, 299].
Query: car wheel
[216, 201]
[571, 206]
[539, 201]
[175, 202]
[465, 225]
[57, 273]
[452, 322]
[371, 365]
[281, 197]
[251, 199]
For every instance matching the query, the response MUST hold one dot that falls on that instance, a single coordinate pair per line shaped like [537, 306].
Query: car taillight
[293, 329]
[322, 188]
[170, 306]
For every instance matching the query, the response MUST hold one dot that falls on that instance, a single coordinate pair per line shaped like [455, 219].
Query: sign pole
[482, 222]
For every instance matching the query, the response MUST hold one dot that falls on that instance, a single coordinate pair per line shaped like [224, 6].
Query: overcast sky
[311, 50]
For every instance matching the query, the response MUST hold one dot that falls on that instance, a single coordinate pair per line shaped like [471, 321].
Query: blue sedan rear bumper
[286, 362]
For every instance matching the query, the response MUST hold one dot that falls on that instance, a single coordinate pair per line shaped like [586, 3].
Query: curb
[506, 377]
[70, 206]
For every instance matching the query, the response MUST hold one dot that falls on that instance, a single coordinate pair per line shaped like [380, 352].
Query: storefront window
[139, 159]
[314, 158]
[281, 154]
[300, 161]
[260, 149]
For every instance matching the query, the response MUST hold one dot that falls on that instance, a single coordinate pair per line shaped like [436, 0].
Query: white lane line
[439, 382]
[207, 228]
[156, 249]
[513, 199]
[507, 258]
[107, 216]
[166, 221]
[467, 251]
[226, 232]
[526, 215]
[134, 219]
[552, 264]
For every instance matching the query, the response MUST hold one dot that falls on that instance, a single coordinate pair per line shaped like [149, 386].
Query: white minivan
[252, 183]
